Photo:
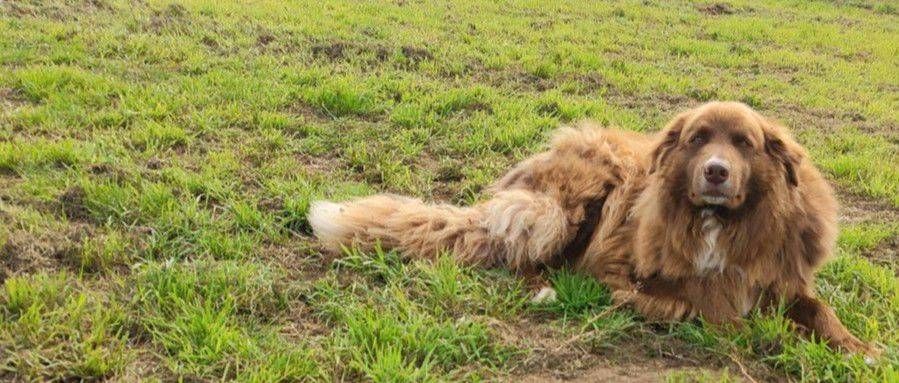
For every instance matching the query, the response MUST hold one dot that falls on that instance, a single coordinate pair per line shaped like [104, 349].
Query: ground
[158, 158]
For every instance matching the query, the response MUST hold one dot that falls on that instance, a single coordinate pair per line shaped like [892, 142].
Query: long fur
[514, 229]
[654, 246]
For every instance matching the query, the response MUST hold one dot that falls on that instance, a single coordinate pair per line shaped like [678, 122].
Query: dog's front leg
[685, 298]
[655, 308]
[658, 299]
[813, 315]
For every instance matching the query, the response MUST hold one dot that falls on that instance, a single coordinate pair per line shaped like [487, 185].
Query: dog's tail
[515, 228]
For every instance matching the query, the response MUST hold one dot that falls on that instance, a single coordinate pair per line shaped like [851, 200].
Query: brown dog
[721, 213]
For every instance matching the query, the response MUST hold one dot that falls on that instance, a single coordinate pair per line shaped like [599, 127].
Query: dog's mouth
[714, 197]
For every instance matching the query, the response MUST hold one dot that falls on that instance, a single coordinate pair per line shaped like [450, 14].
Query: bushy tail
[516, 228]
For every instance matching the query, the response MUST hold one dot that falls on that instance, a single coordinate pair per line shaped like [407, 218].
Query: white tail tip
[324, 217]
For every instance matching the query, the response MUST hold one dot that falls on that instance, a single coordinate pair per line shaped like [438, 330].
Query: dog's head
[720, 153]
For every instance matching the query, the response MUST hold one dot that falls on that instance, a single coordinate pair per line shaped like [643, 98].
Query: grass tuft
[52, 329]
[577, 294]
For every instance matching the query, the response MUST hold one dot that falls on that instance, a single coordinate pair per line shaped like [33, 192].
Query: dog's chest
[710, 256]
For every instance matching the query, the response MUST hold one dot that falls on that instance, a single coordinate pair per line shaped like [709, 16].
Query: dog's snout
[716, 171]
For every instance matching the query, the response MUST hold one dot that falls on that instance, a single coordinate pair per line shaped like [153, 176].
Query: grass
[427, 319]
[158, 159]
[861, 162]
[53, 327]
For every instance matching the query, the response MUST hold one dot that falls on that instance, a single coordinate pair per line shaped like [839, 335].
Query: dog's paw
[871, 354]
[870, 360]
[855, 346]
[545, 295]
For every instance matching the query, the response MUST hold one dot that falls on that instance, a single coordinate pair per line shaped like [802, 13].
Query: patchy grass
[867, 236]
[157, 161]
[210, 320]
[54, 329]
[426, 320]
[862, 162]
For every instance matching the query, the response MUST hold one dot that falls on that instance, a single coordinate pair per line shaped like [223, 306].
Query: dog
[720, 213]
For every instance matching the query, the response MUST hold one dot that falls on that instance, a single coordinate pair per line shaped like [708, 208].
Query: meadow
[158, 159]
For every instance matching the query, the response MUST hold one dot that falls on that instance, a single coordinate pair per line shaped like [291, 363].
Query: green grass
[423, 321]
[52, 328]
[158, 159]
[867, 236]
[862, 162]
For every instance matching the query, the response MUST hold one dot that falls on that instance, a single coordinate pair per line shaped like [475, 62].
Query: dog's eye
[742, 141]
[698, 139]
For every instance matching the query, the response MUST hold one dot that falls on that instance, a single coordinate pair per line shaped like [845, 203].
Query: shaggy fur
[640, 214]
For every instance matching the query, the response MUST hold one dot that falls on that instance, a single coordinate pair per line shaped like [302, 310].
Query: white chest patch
[710, 257]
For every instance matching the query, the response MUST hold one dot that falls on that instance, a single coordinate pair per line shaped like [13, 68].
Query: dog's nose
[716, 172]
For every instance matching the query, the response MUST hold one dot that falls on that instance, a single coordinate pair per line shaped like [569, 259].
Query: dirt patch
[302, 261]
[557, 355]
[826, 121]
[11, 99]
[155, 163]
[319, 164]
[309, 112]
[855, 208]
[173, 16]
[147, 364]
[524, 81]
[173, 11]
[337, 51]
[272, 205]
[885, 254]
[26, 252]
[527, 81]
[664, 101]
[448, 170]
[591, 83]
[99, 4]
[717, 9]
[622, 373]
[210, 42]
[111, 172]
[61, 12]
[416, 54]
[304, 324]
[265, 39]
[645, 354]
[72, 202]
[300, 257]
[550, 357]
[100, 169]
[381, 53]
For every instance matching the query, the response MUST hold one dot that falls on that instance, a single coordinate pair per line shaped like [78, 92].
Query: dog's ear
[783, 149]
[669, 137]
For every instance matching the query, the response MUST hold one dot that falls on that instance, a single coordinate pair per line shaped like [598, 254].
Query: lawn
[158, 159]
